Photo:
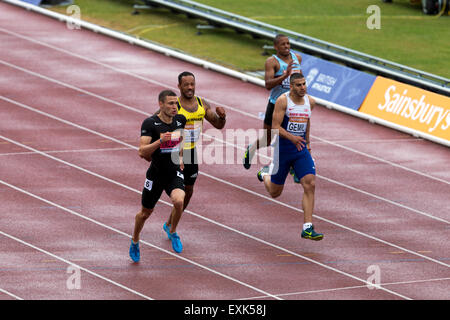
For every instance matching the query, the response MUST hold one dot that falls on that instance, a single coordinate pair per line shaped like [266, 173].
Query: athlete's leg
[274, 175]
[189, 191]
[190, 174]
[309, 185]
[274, 189]
[264, 140]
[177, 197]
[150, 195]
[141, 217]
[309, 182]
[139, 222]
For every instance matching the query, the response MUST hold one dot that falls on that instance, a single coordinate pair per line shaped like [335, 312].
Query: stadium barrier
[345, 85]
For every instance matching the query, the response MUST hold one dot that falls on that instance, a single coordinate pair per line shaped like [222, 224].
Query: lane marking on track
[70, 262]
[352, 287]
[173, 255]
[251, 115]
[11, 294]
[66, 151]
[195, 214]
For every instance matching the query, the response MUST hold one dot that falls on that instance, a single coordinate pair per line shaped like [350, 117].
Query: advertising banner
[408, 106]
[335, 83]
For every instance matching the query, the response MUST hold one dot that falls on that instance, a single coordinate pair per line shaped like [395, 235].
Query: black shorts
[190, 166]
[269, 113]
[190, 173]
[156, 182]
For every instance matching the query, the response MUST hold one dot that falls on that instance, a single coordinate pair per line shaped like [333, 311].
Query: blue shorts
[302, 163]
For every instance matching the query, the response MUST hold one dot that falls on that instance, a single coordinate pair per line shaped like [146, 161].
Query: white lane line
[65, 151]
[129, 236]
[383, 160]
[11, 294]
[71, 263]
[204, 218]
[38, 75]
[331, 222]
[251, 115]
[349, 288]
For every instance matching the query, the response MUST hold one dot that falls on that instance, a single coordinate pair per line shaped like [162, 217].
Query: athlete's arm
[218, 118]
[181, 152]
[312, 103]
[271, 67]
[277, 119]
[147, 147]
[299, 57]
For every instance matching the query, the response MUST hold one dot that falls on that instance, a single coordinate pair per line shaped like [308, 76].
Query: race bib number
[297, 125]
[192, 131]
[148, 184]
[172, 145]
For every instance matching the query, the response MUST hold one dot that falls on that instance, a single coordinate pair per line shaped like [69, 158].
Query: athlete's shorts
[190, 166]
[269, 113]
[155, 184]
[302, 163]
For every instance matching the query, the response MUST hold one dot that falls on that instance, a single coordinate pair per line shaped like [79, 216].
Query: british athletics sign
[335, 83]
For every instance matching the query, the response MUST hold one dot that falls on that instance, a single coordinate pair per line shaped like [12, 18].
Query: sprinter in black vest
[161, 142]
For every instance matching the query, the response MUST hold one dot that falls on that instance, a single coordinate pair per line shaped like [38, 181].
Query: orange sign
[409, 106]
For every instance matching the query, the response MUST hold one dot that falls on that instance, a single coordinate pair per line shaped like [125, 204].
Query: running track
[71, 106]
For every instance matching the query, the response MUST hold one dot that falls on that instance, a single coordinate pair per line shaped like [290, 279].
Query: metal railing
[326, 50]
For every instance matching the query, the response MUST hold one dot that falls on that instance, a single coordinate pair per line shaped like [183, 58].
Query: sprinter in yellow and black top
[195, 109]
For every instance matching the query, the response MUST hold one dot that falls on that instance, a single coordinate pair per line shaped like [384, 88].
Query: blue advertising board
[335, 83]
[35, 2]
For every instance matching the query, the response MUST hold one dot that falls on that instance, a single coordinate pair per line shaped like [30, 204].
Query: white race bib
[297, 125]
[148, 184]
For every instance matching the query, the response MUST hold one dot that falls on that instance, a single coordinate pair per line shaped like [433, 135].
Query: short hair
[278, 37]
[184, 74]
[296, 75]
[166, 93]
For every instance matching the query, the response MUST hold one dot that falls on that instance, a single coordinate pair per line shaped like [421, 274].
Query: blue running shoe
[311, 234]
[176, 242]
[167, 229]
[292, 172]
[135, 254]
[264, 169]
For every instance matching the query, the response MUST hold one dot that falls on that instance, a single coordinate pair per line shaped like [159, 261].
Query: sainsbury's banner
[409, 106]
[335, 83]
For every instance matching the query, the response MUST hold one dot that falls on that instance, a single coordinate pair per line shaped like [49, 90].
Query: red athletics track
[72, 103]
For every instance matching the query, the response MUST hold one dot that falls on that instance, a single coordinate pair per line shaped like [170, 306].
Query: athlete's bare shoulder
[271, 62]
[282, 100]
